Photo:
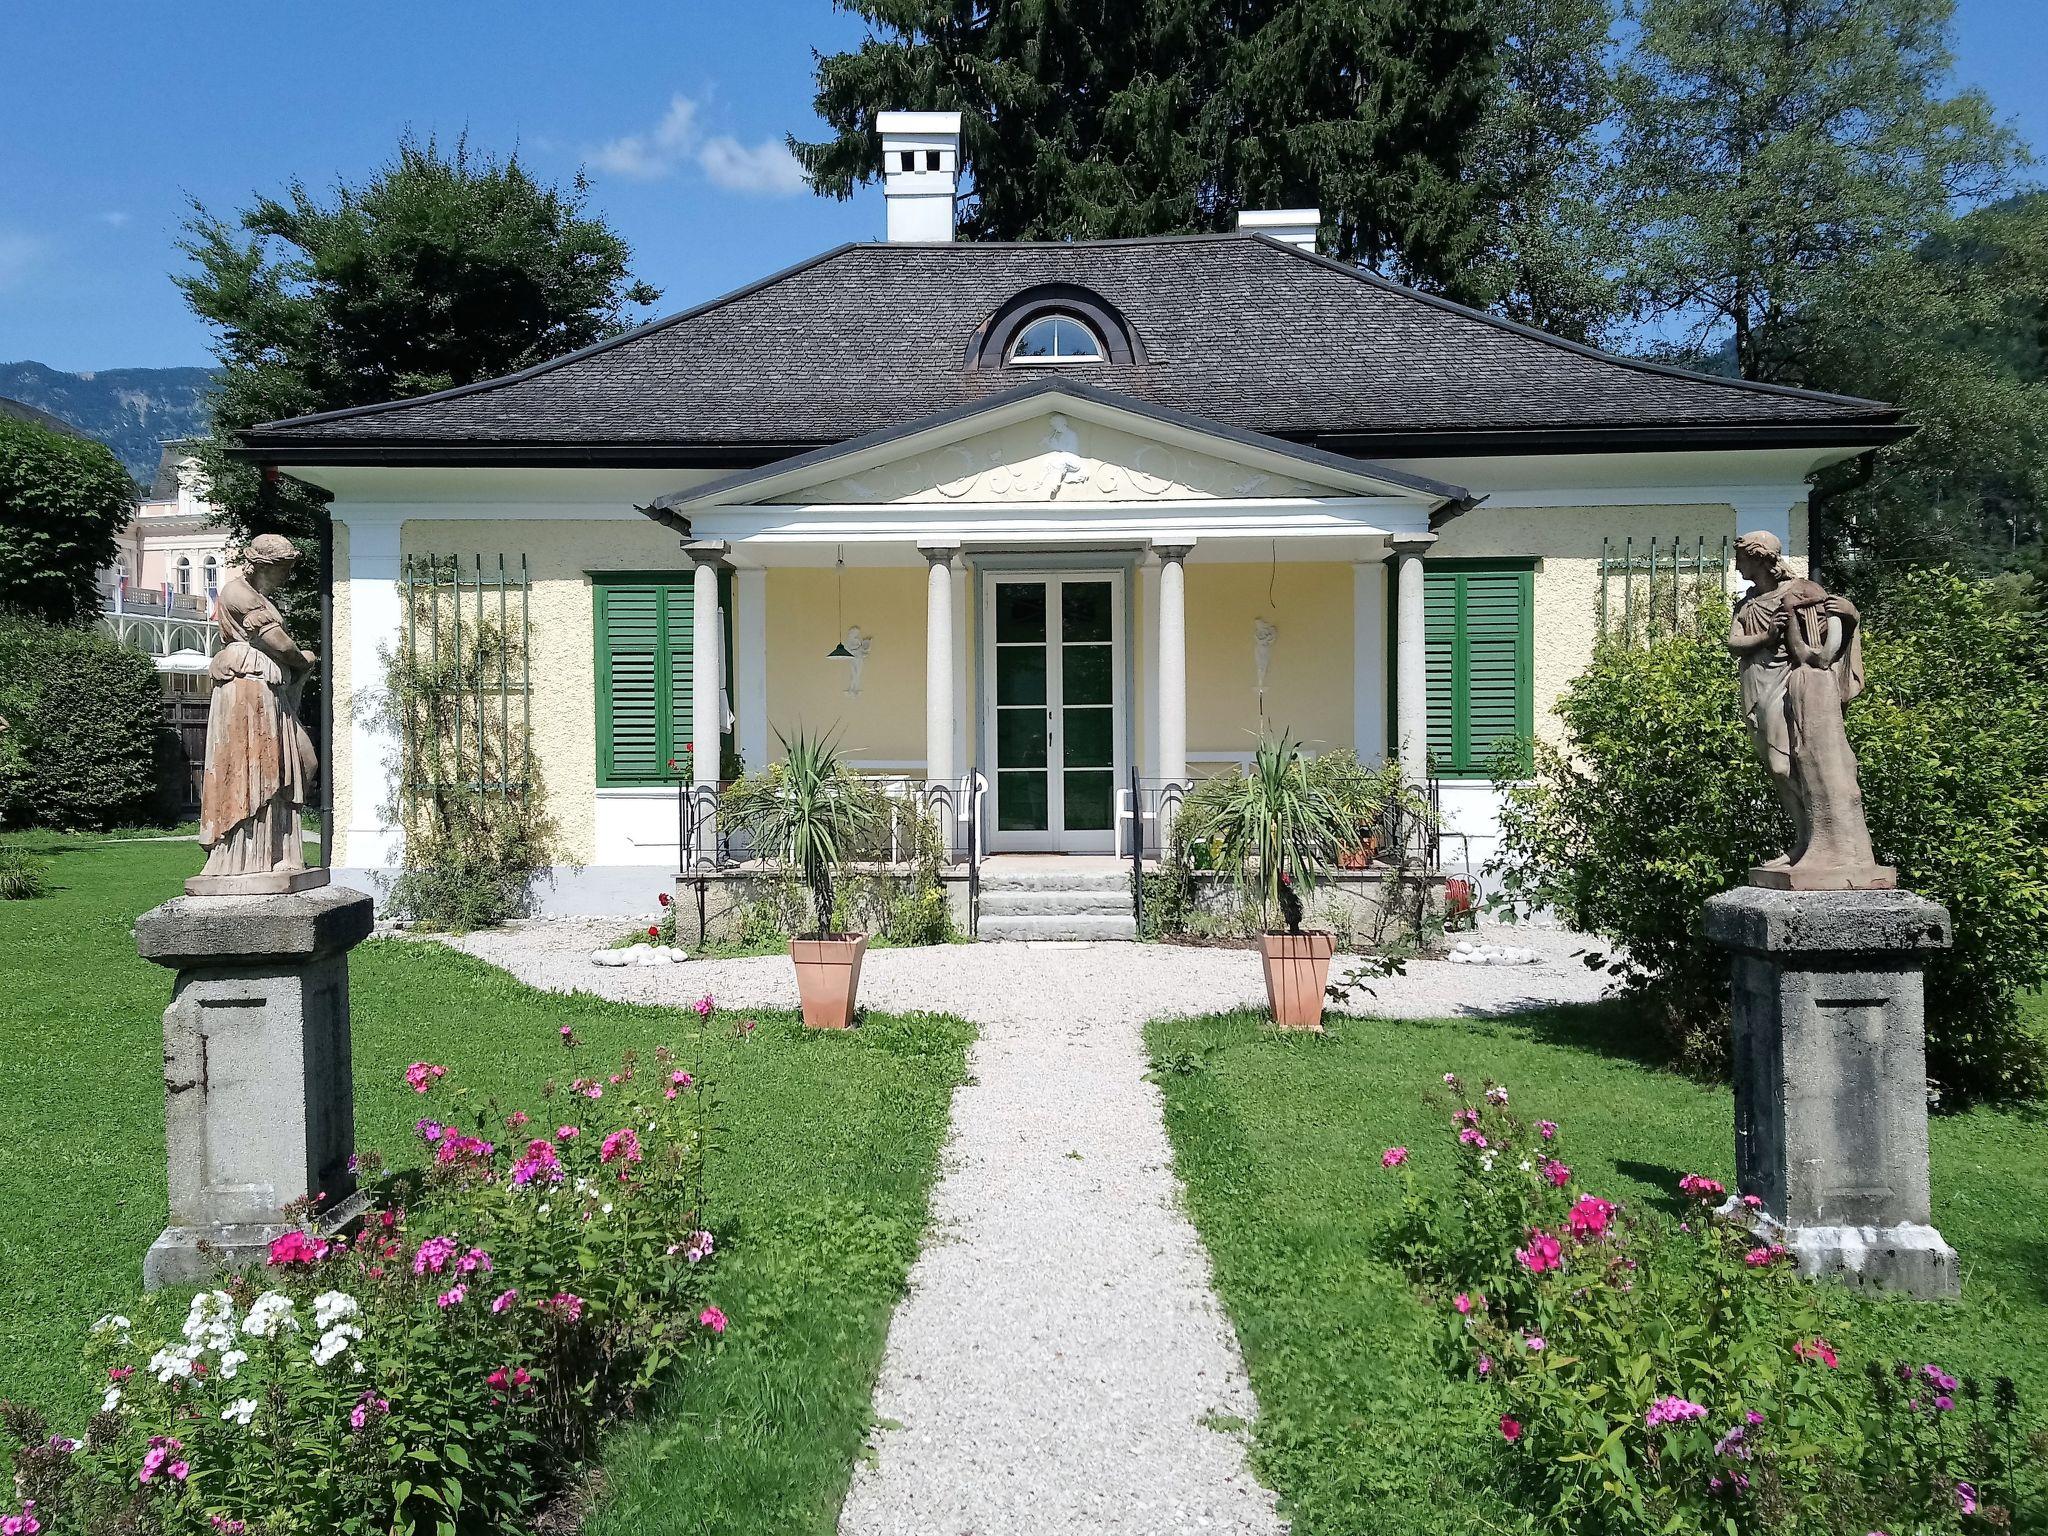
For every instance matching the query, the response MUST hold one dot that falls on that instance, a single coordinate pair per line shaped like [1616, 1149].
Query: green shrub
[1650, 1377]
[21, 875]
[445, 1370]
[1657, 803]
[63, 502]
[85, 739]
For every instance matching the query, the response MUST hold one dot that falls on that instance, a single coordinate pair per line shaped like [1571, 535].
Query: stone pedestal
[259, 1108]
[1831, 1079]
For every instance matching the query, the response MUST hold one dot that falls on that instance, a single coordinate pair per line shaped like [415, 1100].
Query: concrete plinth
[259, 1107]
[1831, 1079]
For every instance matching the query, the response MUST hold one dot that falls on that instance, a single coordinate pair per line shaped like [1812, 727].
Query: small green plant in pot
[811, 811]
[1279, 827]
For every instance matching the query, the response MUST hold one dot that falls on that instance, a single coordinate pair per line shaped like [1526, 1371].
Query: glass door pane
[1087, 706]
[1023, 710]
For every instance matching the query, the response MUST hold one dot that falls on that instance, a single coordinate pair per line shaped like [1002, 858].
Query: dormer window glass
[1056, 339]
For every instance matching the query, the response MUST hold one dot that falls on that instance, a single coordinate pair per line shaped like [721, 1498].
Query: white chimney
[1295, 226]
[920, 172]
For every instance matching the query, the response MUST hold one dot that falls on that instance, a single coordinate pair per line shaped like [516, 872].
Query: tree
[1088, 119]
[1956, 331]
[63, 502]
[1766, 143]
[442, 269]
[1539, 168]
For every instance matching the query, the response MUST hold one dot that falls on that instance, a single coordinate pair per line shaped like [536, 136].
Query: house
[1049, 527]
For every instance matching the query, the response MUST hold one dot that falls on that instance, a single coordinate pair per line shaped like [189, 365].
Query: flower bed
[1659, 1376]
[444, 1366]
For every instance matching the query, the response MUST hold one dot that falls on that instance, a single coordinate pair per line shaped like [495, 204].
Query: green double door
[1053, 679]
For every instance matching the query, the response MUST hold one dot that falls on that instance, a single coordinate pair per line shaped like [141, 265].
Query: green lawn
[1279, 1138]
[824, 1156]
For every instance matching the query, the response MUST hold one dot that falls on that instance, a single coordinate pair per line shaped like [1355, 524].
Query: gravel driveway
[1060, 1359]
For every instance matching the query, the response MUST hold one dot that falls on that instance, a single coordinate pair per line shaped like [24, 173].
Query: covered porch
[1049, 612]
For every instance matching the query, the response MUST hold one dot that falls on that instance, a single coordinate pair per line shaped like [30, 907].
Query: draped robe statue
[260, 764]
[1801, 653]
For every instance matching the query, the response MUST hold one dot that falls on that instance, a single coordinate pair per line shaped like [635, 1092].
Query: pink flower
[713, 1319]
[1672, 1410]
[433, 1255]
[422, 1075]
[1701, 1188]
[1548, 1128]
[704, 1006]
[568, 1035]
[566, 1133]
[1544, 1252]
[1510, 1429]
[1486, 1365]
[1472, 1138]
[1451, 1080]
[1556, 1173]
[623, 1143]
[1966, 1498]
[503, 1301]
[472, 1261]
[295, 1248]
[517, 1118]
[662, 897]
[1754, 1202]
[565, 1305]
[1465, 1302]
[1393, 1157]
[696, 1250]
[1589, 1218]
[1816, 1352]
[1535, 1343]
[23, 1524]
[1758, 1258]
[1497, 1097]
[454, 1296]
[540, 1162]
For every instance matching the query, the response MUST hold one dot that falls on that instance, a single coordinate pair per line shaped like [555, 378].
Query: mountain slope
[131, 410]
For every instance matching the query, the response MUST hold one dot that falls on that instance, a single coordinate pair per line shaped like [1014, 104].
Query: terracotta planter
[828, 976]
[1297, 971]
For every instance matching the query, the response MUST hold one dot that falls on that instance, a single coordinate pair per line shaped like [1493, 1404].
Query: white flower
[331, 1307]
[210, 1321]
[240, 1411]
[1527, 1166]
[269, 1315]
[606, 1208]
[1486, 1162]
[168, 1363]
[111, 1401]
[543, 1211]
[112, 1322]
[334, 1341]
[230, 1362]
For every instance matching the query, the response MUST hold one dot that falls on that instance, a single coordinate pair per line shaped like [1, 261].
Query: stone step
[1056, 880]
[1044, 902]
[1024, 926]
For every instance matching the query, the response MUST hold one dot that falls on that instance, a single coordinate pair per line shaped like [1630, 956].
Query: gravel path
[1060, 1360]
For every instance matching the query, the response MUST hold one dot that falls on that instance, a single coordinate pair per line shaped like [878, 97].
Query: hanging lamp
[839, 652]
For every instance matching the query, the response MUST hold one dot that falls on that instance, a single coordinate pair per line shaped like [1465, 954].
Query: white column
[705, 653]
[750, 661]
[939, 766]
[1172, 640]
[1411, 657]
[1768, 509]
[376, 624]
[1369, 659]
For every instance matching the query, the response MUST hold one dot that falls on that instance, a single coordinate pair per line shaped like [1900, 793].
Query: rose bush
[1652, 1376]
[444, 1365]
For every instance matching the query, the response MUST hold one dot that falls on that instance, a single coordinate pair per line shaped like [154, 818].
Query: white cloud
[114, 219]
[18, 253]
[676, 144]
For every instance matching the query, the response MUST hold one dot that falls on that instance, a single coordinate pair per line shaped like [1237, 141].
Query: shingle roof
[1241, 330]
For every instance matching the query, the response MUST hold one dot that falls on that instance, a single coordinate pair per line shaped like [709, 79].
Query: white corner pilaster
[376, 631]
[1369, 659]
[939, 642]
[963, 674]
[1411, 657]
[1171, 636]
[750, 650]
[705, 656]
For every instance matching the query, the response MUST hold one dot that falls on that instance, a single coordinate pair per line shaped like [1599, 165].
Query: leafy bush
[85, 731]
[812, 813]
[1652, 1378]
[1657, 803]
[63, 502]
[447, 1369]
[21, 875]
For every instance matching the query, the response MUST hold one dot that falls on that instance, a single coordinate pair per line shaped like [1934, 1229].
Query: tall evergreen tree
[1764, 143]
[442, 269]
[1100, 118]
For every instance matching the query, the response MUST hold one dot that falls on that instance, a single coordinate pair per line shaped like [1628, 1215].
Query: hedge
[63, 502]
[86, 740]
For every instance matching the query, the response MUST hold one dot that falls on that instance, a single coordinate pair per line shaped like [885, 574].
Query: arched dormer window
[1054, 324]
[1056, 338]
[184, 575]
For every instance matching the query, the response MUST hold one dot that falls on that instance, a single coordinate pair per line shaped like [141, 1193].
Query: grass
[824, 1154]
[1278, 1140]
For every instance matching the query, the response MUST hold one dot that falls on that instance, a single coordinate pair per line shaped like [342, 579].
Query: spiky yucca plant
[1280, 826]
[810, 810]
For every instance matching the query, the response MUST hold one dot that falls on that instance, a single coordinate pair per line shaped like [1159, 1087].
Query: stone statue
[857, 647]
[1801, 653]
[260, 763]
[1264, 633]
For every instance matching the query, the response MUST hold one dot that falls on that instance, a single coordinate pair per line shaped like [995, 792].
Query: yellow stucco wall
[886, 722]
[1308, 683]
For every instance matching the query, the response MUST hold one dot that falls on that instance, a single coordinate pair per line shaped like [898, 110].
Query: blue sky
[113, 114]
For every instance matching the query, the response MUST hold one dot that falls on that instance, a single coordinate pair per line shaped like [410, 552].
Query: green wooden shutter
[643, 679]
[1478, 624]
[678, 659]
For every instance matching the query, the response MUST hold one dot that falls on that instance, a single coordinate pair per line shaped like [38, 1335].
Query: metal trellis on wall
[466, 658]
[1660, 583]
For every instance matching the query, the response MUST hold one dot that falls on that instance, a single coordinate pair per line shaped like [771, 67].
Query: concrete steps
[1044, 901]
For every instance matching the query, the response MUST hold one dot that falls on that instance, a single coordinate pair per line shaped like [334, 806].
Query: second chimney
[1295, 226]
[920, 173]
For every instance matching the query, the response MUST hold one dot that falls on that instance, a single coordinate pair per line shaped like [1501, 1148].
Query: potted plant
[810, 810]
[1280, 828]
